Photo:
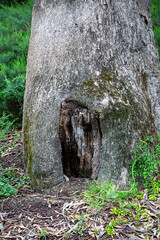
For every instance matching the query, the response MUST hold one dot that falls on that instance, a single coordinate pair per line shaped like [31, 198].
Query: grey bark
[102, 53]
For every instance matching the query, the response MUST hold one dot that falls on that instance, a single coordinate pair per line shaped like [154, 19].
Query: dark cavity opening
[81, 139]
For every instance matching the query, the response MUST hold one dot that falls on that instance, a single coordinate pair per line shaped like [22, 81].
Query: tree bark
[102, 53]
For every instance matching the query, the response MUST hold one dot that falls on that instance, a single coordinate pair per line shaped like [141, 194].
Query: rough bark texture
[100, 52]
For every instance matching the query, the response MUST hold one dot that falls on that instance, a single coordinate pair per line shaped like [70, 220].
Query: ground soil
[32, 215]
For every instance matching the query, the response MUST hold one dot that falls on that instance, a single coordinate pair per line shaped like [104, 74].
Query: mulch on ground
[64, 215]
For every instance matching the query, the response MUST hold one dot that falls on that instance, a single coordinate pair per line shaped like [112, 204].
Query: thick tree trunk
[101, 53]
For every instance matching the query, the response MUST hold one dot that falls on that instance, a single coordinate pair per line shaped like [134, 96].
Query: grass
[129, 208]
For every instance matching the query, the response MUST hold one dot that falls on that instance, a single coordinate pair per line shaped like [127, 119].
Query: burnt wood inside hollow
[80, 136]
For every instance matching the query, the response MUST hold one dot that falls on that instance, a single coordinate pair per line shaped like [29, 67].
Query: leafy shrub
[7, 190]
[5, 125]
[11, 181]
[12, 95]
[155, 15]
[14, 40]
[146, 163]
[155, 12]
[12, 2]
[156, 31]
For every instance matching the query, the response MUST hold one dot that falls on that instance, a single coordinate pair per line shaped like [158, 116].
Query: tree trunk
[100, 54]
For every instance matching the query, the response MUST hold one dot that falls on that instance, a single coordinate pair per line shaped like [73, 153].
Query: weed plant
[6, 125]
[81, 224]
[11, 181]
[146, 164]
[42, 234]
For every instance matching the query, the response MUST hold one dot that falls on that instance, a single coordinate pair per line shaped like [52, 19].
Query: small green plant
[152, 197]
[7, 190]
[98, 194]
[82, 224]
[17, 136]
[67, 235]
[5, 125]
[95, 231]
[110, 230]
[146, 164]
[110, 227]
[11, 181]
[120, 212]
[43, 234]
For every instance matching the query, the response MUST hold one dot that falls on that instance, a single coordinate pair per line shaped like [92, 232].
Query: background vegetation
[15, 22]
[155, 13]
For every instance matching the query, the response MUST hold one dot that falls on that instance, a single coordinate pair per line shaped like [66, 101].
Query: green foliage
[120, 212]
[110, 227]
[5, 125]
[12, 2]
[14, 40]
[81, 224]
[98, 194]
[145, 168]
[43, 234]
[11, 181]
[127, 211]
[12, 95]
[155, 14]
[7, 190]
[146, 164]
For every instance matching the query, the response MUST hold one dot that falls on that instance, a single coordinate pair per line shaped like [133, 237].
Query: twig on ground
[157, 212]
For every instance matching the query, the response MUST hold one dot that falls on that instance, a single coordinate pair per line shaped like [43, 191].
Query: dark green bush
[155, 14]
[14, 40]
[12, 2]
